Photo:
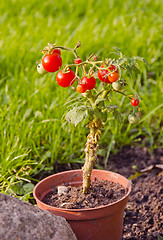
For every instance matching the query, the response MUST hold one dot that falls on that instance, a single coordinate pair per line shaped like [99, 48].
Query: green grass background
[32, 135]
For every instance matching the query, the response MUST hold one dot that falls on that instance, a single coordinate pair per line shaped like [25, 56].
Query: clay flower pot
[101, 223]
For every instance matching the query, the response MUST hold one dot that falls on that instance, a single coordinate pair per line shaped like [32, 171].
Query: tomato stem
[128, 96]
[91, 152]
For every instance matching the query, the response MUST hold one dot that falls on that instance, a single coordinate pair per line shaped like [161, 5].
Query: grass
[32, 135]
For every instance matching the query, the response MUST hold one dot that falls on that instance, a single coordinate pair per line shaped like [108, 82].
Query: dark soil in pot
[101, 193]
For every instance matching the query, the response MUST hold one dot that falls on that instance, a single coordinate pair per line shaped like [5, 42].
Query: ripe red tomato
[113, 77]
[65, 79]
[135, 102]
[77, 61]
[81, 88]
[56, 50]
[52, 62]
[113, 68]
[103, 75]
[89, 82]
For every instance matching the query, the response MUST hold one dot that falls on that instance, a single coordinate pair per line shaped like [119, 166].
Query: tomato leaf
[142, 60]
[111, 108]
[100, 99]
[76, 115]
[117, 116]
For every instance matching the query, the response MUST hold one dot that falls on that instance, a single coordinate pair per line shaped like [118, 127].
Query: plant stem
[128, 96]
[67, 49]
[91, 152]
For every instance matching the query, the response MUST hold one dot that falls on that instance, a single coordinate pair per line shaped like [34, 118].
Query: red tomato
[113, 68]
[135, 102]
[52, 62]
[65, 79]
[89, 82]
[77, 61]
[81, 88]
[103, 75]
[56, 50]
[113, 77]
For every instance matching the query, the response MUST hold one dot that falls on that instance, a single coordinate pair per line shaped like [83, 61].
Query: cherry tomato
[117, 86]
[65, 79]
[40, 69]
[113, 68]
[77, 61]
[81, 88]
[113, 77]
[133, 119]
[56, 50]
[103, 75]
[89, 82]
[135, 102]
[52, 62]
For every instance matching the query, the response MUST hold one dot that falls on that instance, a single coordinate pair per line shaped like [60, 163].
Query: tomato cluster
[86, 84]
[52, 62]
[107, 73]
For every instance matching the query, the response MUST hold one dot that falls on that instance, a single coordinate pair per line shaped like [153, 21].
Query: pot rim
[85, 209]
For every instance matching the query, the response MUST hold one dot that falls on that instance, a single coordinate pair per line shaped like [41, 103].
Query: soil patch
[101, 194]
[143, 214]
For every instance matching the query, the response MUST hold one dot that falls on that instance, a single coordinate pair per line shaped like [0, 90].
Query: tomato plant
[89, 82]
[95, 102]
[65, 79]
[52, 62]
[135, 102]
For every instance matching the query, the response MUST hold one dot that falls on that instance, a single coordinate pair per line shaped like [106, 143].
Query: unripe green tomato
[40, 69]
[117, 86]
[133, 119]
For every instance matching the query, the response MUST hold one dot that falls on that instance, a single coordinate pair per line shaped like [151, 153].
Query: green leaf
[117, 116]
[142, 60]
[28, 187]
[111, 108]
[129, 69]
[97, 113]
[117, 49]
[99, 99]
[76, 115]
[90, 114]
[139, 64]
[121, 61]
[17, 187]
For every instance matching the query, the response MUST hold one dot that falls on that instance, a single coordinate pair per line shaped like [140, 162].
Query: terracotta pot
[101, 223]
